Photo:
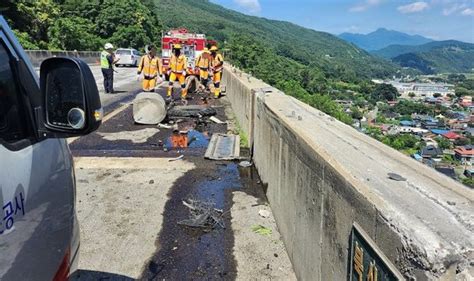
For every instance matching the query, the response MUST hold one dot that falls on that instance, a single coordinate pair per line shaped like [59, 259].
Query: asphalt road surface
[130, 193]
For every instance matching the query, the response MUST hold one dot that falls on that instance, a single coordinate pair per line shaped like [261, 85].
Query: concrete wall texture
[323, 176]
[38, 56]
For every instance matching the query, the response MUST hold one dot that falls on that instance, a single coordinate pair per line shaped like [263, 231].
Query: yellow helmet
[214, 48]
[177, 46]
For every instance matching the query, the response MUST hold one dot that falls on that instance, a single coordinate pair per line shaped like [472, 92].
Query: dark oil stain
[185, 253]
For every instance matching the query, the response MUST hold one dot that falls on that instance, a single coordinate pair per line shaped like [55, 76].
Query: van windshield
[123, 52]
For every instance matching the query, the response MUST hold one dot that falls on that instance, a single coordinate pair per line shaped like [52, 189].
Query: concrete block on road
[149, 109]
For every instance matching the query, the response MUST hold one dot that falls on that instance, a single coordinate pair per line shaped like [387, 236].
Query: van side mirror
[71, 102]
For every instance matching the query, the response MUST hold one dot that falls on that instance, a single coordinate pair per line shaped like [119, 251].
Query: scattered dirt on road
[185, 253]
[180, 252]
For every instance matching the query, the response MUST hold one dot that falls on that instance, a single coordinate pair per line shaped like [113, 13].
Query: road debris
[245, 164]
[223, 147]
[140, 136]
[179, 139]
[164, 126]
[396, 177]
[191, 111]
[264, 213]
[176, 159]
[262, 230]
[216, 120]
[149, 109]
[203, 215]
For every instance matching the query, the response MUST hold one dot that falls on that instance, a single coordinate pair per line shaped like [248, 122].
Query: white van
[130, 57]
[39, 234]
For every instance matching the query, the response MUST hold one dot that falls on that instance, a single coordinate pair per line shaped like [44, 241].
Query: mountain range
[435, 57]
[287, 44]
[382, 38]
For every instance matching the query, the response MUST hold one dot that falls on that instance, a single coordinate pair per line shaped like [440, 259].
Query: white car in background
[128, 57]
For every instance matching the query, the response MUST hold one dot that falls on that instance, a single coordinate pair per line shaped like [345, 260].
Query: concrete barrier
[38, 56]
[326, 179]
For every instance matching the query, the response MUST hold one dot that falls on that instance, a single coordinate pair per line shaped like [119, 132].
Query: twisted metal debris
[203, 214]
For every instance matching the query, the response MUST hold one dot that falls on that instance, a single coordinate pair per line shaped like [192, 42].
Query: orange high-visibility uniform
[150, 67]
[204, 63]
[178, 72]
[217, 65]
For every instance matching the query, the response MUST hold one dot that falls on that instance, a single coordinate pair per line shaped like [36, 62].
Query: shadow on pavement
[89, 275]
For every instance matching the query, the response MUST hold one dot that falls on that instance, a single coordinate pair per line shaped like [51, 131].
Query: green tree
[461, 91]
[123, 17]
[384, 92]
[411, 94]
[462, 141]
[34, 18]
[72, 33]
[408, 107]
[25, 40]
[401, 142]
[469, 182]
[130, 36]
[356, 113]
[456, 78]
[443, 143]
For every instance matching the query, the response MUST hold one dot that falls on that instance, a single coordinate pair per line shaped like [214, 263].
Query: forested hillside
[436, 57]
[82, 24]
[328, 53]
[302, 62]
[316, 67]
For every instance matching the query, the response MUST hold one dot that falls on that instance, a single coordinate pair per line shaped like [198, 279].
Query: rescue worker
[177, 70]
[203, 62]
[217, 64]
[150, 66]
[107, 61]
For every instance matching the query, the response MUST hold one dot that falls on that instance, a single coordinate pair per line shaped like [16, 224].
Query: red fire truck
[193, 45]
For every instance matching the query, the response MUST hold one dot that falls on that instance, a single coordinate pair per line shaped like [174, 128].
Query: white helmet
[108, 46]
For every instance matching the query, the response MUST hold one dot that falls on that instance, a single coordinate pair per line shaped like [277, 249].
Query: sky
[435, 19]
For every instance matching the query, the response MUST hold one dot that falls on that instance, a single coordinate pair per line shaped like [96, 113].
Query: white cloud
[413, 7]
[352, 28]
[468, 12]
[252, 6]
[453, 9]
[365, 5]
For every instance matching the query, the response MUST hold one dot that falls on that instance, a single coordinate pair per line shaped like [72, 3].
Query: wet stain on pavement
[157, 145]
[182, 252]
[185, 253]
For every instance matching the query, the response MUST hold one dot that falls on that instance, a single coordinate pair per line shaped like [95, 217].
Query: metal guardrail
[38, 56]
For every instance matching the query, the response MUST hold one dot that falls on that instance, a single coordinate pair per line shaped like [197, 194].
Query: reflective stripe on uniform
[217, 62]
[178, 64]
[204, 61]
[149, 66]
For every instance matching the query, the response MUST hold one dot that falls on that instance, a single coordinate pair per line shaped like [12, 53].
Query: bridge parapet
[38, 56]
[326, 179]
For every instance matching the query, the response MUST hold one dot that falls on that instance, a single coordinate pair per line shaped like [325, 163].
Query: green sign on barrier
[367, 262]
